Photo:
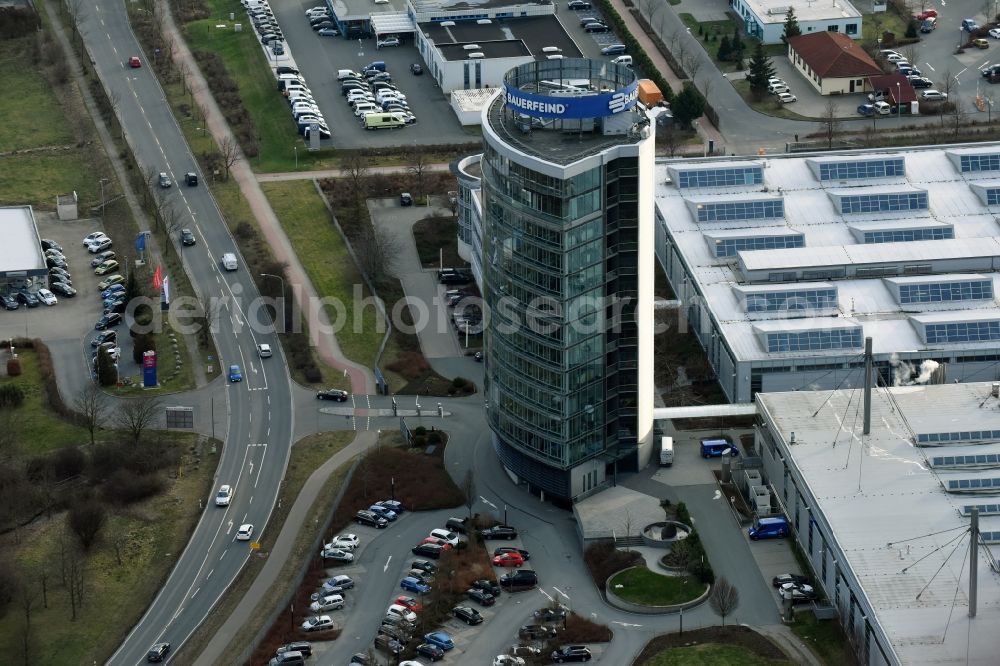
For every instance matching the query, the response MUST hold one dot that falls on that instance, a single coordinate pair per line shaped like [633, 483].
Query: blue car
[411, 584]
[441, 639]
[614, 49]
[380, 510]
[112, 290]
[234, 374]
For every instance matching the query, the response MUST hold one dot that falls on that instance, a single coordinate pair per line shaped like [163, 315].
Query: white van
[364, 108]
[666, 451]
[375, 121]
[623, 60]
[229, 261]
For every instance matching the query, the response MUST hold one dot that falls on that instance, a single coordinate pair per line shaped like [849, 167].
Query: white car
[99, 245]
[445, 535]
[786, 98]
[337, 584]
[777, 88]
[388, 41]
[776, 82]
[337, 555]
[224, 496]
[264, 350]
[245, 532]
[894, 57]
[507, 660]
[995, 33]
[327, 603]
[398, 610]
[47, 297]
[345, 541]
[933, 95]
[97, 235]
[318, 623]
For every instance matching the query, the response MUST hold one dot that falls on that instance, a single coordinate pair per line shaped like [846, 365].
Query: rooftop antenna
[868, 387]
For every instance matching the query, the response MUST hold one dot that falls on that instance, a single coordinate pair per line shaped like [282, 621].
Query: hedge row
[639, 56]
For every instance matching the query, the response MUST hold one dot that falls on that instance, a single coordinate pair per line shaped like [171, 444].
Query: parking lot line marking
[210, 574]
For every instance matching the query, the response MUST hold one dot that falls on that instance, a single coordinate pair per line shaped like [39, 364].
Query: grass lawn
[33, 116]
[710, 655]
[768, 105]
[322, 252]
[153, 532]
[39, 427]
[642, 586]
[825, 637]
[36, 178]
[873, 25]
[247, 65]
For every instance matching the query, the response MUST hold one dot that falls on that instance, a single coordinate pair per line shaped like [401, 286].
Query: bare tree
[830, 122]
[209, 311]
[357, 168]
[172, 219]
[671, 138]
[627, 522]
[419, 165]
[115, 99]
[692, 63]
[725, 598]
[959, 116]
[92, 406]
[86, 519]
[27, 598]
[469, 489]
[377, 250]
[230, 151]
[137, 414]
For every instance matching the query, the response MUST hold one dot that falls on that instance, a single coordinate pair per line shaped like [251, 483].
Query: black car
[107, 321]
[191, 179]
[487, 585]
[549, 614]
[571, 653]
[416, 68]
[187, 237]
[388, 644]
[332, 394]
[481, 597]
[104, 336]
[578, 4]
[361, 659]
[117, 307]
[596, 27]
[29, 299]
[158, 652]
[424, 565]
[455, 278]
[48, 244]
[284, 69]
[431, 651]
[525, 555]
[56, 262]
[370, 519]
[431, 550]
[536, 632]
[519, 580]
[778, 581]
[468, 615]
[305, 647]
[63, 289]
[405, 199]
[9, 302]
[326, 23]
[499, 532]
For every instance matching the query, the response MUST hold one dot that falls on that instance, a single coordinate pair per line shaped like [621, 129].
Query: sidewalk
[705, 127]
[302, 287]
[341, 173]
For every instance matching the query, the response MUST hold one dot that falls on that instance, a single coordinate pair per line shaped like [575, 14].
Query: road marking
[230, 528]
[930, 66]
[625, 624]
[560, 591]
[222, 556]
[386, 567]
[546, 594]
[196, 593]
[177, 614]
[264, 455]
[210, 574]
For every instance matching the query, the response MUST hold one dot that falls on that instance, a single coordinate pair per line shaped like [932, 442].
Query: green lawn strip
[322, 251]
[154, 531]
[642, 586]
[434, 234]
[768, 105]
[40, 429]
[36, 178]
[246, 64]
[710, 654]
[873, 25]
[825, 637]
[32, 114]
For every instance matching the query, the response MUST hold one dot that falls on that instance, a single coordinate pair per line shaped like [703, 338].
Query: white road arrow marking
[386, 567]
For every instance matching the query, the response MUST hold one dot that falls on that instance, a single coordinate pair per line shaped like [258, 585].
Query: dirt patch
[738, 636]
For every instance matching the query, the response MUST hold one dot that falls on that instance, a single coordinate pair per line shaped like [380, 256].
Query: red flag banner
[157, 278]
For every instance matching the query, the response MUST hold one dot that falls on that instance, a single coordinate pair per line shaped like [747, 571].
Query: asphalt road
[259, 417]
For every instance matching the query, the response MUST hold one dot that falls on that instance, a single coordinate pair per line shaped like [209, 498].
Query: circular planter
[633, 607]
[665, 533]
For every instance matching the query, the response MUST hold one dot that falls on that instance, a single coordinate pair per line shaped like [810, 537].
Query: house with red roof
[832, 62]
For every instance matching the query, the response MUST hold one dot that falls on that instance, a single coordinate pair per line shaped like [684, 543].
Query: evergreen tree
[106, 373]
[791, 26]
[759, 71]
[736, 48]
[725, 51]
[688, 105]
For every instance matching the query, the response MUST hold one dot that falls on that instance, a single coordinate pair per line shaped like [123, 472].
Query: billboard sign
[570, 105]
[149, 369]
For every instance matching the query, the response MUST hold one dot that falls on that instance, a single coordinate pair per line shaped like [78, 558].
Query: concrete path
[340, 173]
[320, 330]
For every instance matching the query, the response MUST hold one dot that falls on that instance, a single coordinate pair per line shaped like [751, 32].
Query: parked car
[63, 289]
[536, 632]
[431, 550]
[920, 82]
[9, 302]
[90, 238]
[499, 532]
[926, 14]
[571, 653]
[933, 95]
[386, 643]
[107, 321]
[800, 592]
[106, 267]
[369, 518]
[305, 647]
[29, 299]
[481, 597]
[467, 614]
[969, 25]
[786, 98]
[551, 614]
[102, 257]
[110, 281]
[431, 651]
[328, 32]
[613, 49]
[776, 88]
[409, 603]
[337, 584]
[525, 555]
[98, 246]
[388, 41]
[508, 560]
[337, 555]
[399, 610]
[327, 603]
[333, 394]
[487, 585]
[441, 639]
[519, 580]
[318, 623]
[345, 542]
[49, 244]
[411, 584]
[424, 565]
[392, 505]
[782, 579]
[382, 511]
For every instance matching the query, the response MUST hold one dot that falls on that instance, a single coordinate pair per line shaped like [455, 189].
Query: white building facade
[765, 19]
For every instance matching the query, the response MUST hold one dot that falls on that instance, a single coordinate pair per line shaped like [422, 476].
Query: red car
[508, 560]
[409, 602]
[440, 542]
[134, 62]
[930, 13]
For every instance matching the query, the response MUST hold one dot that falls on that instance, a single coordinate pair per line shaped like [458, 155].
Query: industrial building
[22, 264]
[552, 217]
[785, 264]
[886, 518]
[765, 19]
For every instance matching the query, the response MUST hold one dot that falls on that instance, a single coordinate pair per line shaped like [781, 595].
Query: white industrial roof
[20, 250]
[774, 11]
[891, 515]
[830, 240]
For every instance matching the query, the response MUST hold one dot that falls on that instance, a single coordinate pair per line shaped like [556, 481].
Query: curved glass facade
[560, 280]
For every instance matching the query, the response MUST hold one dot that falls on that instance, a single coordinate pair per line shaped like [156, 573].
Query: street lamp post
[899, 102]
[103, 180]
[278, 277]
[296, 149]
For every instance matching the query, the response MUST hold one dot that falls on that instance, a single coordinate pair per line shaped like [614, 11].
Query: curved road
[258, 409]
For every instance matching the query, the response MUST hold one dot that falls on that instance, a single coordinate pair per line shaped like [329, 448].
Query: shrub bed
[603, 560]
